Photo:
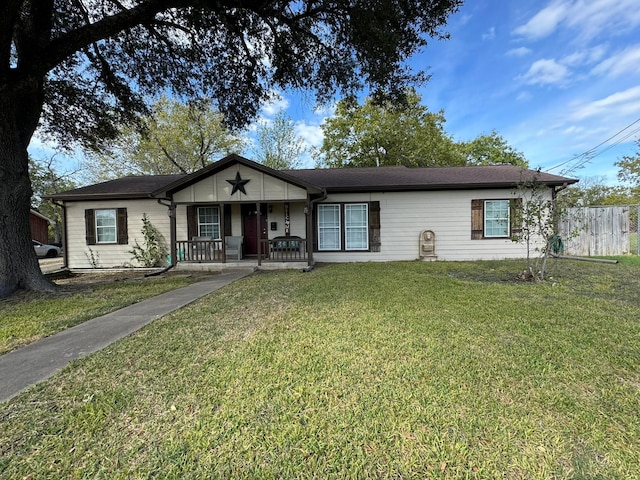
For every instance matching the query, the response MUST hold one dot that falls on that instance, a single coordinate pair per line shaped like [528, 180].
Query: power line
[582, 159]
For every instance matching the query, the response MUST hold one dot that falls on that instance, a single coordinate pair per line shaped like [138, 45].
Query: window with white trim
[497, 218]
[329, 227]
[209, 222]
[106, 226]
[356, 226]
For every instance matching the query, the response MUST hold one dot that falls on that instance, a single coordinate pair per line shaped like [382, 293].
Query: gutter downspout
[65, 260]
[309, 208]
[172, 233]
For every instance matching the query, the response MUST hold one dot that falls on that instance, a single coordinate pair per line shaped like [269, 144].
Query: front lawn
[27, 316]
[402, 370]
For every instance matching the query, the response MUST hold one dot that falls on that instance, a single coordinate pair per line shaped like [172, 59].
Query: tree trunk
[19, 268]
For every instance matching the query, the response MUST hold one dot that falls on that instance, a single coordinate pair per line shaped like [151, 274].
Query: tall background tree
[82, 68]
[378, 134]
[277, 144]
[629, 172]
[47, 178]
[175, 138]
[492, 149]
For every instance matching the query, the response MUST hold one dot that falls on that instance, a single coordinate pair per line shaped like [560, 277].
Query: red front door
[251, 231]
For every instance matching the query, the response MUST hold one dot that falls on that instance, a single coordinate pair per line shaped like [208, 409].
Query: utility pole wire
[585, 157]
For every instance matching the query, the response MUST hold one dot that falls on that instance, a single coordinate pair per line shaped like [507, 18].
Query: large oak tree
[79, 68]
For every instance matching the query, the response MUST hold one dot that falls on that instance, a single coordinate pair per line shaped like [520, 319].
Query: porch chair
[233, 247]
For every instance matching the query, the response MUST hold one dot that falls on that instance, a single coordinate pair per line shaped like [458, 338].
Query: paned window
[356, 226]
[328, 227]
[496, 218]
[106, 226]
[209, 222]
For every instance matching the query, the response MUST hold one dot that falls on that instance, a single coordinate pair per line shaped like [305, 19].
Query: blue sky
[554, 78]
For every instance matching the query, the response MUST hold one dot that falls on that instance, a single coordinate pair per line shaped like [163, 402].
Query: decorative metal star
[238, 184]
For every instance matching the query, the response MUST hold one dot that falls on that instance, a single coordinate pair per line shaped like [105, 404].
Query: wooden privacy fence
[596, 231]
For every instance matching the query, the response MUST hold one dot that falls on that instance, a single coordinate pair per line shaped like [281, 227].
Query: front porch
[279, 252]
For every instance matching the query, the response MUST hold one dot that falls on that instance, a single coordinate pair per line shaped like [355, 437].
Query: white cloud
[519, 52]
[624, 62]
[584, 57]
[545, 72]
[311, 134]
[524, 96]
[277, 104]
[490, 35]
[617, 105]
[588, 18]
[545, 22]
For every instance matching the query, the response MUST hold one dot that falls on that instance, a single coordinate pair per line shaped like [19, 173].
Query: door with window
[252, 230]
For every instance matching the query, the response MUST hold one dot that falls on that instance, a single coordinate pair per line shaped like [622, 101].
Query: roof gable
[225, 163]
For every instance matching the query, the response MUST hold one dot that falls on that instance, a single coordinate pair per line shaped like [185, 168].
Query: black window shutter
[90, 226]
[477, 219]
[314, 223]
[192, 221]
[123, 233]
[227, 220]
[515, 216]
[374, 226]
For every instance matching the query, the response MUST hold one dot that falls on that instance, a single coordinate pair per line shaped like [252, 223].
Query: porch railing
[284, 249]
[279, 249]
[199, 251]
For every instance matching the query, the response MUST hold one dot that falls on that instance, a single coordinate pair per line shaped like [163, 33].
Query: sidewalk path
[37, 361]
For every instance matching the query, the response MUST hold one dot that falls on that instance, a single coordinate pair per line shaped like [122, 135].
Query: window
[209, 222]
[328, 227]
[349, 227]
[106, 225]
[356, 227]
[496, 218]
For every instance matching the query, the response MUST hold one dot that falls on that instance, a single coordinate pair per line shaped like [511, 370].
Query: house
[236, 210]
[39, 226]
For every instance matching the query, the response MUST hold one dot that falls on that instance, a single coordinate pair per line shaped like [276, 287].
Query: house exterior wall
[260, 187]
[111, 255]
[403, 215]
[297, 220]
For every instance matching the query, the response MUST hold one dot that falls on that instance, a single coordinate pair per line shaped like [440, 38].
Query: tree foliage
[175, 138]
[47, 180]
[153, 251]
[630, 168]
[593, 191]
[81, 69]
[492, 149]
[382, 134]
[278, 145]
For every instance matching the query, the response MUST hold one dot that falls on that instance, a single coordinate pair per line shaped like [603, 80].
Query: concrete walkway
[37, 361]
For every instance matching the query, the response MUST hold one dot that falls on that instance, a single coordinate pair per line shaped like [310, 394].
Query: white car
[44, 250]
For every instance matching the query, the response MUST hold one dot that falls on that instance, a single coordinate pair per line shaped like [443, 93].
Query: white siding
[110, 256]
[403, 215]
[260, 188]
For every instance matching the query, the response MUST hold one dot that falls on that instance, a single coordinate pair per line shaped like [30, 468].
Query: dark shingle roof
[126, 188]
[333, 180]
[433, 178]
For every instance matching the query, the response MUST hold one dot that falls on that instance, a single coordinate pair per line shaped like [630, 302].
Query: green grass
[33, 316]
[403, 370]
